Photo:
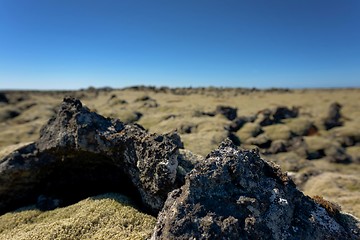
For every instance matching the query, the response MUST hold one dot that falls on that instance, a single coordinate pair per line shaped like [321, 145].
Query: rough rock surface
[80, 153]
[234, 194]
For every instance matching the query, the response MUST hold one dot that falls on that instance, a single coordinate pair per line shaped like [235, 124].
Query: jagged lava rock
[234, 194]
[80, 153]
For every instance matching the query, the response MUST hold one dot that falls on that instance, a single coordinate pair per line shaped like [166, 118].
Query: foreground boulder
[234, 194]
[80, 153]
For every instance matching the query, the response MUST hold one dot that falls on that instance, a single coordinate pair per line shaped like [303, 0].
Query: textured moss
[316, 143]
[277, 132]
[108, 216]
[299, 126]
[343, 189]
[354, 152]
[248, 130]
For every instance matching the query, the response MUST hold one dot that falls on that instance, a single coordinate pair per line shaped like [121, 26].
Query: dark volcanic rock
[333, 118]
[284, 113]
[45, 203]
[3, 98]
[272, 116]
[234, 194]
[81, 153]
[229, 112]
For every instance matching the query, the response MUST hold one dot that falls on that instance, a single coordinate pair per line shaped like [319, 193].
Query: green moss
[299, 126]
[248, 130]
[316, 143]
[277, 132]
[341, 188]
[289, 161]
[350, 129]
[203, 143]
[354, 152]
[109, 216]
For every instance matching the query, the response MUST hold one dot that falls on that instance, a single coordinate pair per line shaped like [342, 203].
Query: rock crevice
[80, 153]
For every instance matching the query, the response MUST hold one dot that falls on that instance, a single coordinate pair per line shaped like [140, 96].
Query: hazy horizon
[181, 87]
[262, 44]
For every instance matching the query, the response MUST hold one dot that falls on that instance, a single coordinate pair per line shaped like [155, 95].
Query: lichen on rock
[234, 194]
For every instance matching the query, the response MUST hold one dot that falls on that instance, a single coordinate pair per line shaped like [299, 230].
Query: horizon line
[172, 88]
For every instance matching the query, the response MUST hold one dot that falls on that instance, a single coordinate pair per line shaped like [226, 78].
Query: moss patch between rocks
[108, 216]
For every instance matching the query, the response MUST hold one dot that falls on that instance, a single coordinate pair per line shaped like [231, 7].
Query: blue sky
[71, 44]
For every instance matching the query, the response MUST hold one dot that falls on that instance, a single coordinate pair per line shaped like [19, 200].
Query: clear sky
[71, 44]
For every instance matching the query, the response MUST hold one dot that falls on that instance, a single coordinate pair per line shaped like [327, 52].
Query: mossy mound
[319, 143]
[343, 189]
[354, 152]
[300, 126]
[248, 130]
[203, 143]
[278, 132]
[107, 216]
[350, 130]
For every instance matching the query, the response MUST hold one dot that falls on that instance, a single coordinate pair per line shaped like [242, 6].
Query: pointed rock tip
[71, 102]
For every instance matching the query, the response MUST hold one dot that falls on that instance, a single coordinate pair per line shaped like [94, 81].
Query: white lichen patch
[283, 202]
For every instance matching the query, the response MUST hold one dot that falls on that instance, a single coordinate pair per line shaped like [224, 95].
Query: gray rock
[234, 194]
[80, 153]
